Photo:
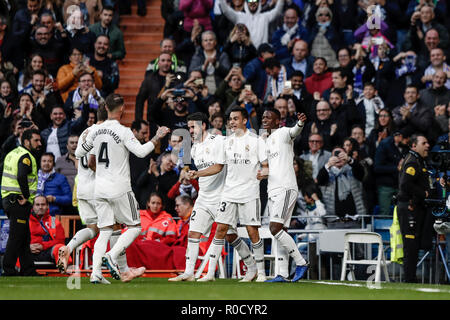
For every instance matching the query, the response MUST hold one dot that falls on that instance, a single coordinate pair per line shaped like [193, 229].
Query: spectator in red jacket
[184, 186]
[183, 206]
[156, 223]
[47, 233]
[321, 79]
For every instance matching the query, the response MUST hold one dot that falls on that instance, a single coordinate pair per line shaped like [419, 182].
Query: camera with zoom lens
[440, 203]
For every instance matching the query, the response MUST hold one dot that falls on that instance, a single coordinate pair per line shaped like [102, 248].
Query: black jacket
[387, 157]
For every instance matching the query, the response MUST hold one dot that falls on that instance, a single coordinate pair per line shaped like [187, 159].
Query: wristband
[300, 123]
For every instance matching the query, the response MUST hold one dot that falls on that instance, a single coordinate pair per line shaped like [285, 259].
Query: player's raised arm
[141, 150]
[297, 129]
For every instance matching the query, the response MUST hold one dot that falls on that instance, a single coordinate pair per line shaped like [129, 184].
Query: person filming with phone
[340, 181]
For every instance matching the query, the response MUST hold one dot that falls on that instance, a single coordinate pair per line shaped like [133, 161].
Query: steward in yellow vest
[18, 190]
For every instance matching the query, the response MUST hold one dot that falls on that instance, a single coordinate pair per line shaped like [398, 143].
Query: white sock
[99, 250]
[258, 251]
[244, 252]
[121, 259]
[289, 244]
[283, 261]
[214, 254]
[124, 241]
[191, 255]
[81, 237]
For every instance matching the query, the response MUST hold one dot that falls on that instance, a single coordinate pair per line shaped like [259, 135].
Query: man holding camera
[19, 186]
[414, 187]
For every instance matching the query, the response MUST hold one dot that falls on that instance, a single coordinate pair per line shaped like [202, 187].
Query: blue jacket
[58, 186]
[281, 51]
[289, 69]
[256, 76]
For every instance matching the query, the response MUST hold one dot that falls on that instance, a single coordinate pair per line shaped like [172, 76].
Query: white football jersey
[86, 177]
[243, 156]
[206, 154]
[112, 143]
[280, 155]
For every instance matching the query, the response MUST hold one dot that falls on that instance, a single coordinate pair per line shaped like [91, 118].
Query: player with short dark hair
[115, 202]
[282, 189]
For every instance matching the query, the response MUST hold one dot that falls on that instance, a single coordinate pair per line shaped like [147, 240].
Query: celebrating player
[282, 188]
[206, 152]
[88, 214]
[115, 202]
[244, 153]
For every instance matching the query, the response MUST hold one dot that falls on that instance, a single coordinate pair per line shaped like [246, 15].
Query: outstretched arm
[298, 128]
[212, 170]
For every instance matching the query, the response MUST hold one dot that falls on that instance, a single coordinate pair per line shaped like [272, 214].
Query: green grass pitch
[56, 288]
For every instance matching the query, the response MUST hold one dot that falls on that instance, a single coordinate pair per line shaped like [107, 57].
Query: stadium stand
[341, 62]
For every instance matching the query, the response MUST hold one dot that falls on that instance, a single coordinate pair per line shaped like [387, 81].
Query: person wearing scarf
[340, 181]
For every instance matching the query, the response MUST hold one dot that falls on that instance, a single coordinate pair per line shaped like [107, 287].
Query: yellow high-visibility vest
[396, 240]
[10, 185]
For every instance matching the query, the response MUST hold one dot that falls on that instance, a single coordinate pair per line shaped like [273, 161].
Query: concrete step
[143, 36]
[141, 27]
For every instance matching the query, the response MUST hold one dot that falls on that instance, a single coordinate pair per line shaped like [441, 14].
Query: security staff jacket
[414, 180]
[20, 174]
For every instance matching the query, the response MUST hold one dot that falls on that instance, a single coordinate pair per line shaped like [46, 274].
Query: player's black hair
[240, 109]
[102, 114]
[114, 101]
[198, 116]
[137, 124]
[273, 110]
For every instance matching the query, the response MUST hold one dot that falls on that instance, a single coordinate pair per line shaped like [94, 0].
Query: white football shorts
[87, 211]
[232, 213]
[281, 205]
[123, 209]
[202, 217]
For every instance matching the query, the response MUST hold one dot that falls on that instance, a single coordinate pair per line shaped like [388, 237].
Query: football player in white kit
[207, 151]
[88, 214]
[282, 189]
[244, 153]
[115, 201]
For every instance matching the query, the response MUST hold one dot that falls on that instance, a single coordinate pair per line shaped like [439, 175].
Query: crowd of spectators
[368, 74]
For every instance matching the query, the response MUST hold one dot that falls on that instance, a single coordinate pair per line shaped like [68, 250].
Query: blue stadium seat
[381, 226]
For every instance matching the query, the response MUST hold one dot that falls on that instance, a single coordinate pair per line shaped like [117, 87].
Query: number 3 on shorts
[222, 206]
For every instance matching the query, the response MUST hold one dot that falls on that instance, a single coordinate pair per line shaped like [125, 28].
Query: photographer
[414, 188]
[231, 87]
[172, 107]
